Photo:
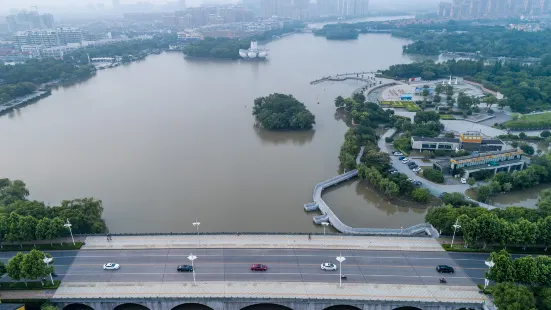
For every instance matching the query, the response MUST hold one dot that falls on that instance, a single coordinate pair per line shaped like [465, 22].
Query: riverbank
[23, 101]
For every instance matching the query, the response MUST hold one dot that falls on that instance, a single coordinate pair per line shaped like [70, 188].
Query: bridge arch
[266, 306]
[130, 306]
[192, 306]
[78, 306]
[342, 307]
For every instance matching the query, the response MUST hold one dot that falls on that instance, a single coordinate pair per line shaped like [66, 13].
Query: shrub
[420, 194]
[389, 139]
[433, 175]
[447, 117]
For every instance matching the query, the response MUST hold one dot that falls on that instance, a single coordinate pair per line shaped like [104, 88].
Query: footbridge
[330, 217]
[358, 76]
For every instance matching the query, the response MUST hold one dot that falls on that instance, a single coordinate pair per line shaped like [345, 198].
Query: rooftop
[492, 141]
[500, 164]
[487, 154]
[427, 139]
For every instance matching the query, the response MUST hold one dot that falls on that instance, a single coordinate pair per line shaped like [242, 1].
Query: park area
[408, 105]
[530, 122]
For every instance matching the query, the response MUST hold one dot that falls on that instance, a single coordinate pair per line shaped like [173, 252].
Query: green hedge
[447, 117]
[411, 107]
[433, 175]
[397, 104]
[34, 285]
[42, 247]
[490, 249]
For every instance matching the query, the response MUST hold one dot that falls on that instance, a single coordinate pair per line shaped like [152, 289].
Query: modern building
[29, 20]
[472, 141]
[499, 161]
[464, 9]
[70, 35]
[444, 9]
[58, 52]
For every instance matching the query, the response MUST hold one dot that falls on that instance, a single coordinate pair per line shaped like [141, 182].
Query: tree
[280, 112]
[527, 148]
[449, 135]
[489, 228]
[358, 97]
[471, 181]
[526, 270]
[527, 231]
[508, 296]
[543, 265]
[425, 117]
[545, 134]
[522, 135]
[33, 266]
[489, 101]
[339, 102]
[14, 268]
[483, 193]
[2, 268]
[464, 102]
[503, 270]
[420, 194]
[48, 306]
[544, 229]
[544, 299]
[433, 175]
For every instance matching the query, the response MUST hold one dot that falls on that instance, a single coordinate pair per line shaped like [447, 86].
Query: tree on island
[281, 112]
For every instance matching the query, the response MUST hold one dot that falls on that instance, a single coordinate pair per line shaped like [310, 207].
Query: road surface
[159, 265]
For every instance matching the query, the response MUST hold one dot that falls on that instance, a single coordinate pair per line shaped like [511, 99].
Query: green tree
[503, 270]
[508, 296]
[528, 231]
[33, 266]
[489, 228]
[544, 231]
[544, 299]
[48, 306]
[420, 194]
[471, 181]
[543, 265]
[489, 100]
[433, 175]
[339, 102]
[545, 134]
[279, 112]
[527, 148]
[526, 270]
[14, 268]
[3, 269]
[483, 193]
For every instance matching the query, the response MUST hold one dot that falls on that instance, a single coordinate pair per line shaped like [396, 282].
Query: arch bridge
[254, 304]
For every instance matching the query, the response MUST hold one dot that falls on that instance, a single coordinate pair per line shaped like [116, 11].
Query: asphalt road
[157, 265]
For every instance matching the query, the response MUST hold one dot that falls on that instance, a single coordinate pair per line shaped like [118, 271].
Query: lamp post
[47, 261]
[192, 257]
[401, 230]
[196, 225]
[456, 226]
[324, 224]
[68, 225]
[490, 264]
[341, 259]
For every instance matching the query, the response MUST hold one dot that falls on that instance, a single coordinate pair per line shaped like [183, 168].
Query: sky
[45, 5]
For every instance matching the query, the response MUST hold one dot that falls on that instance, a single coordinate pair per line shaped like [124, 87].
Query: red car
[259, 267]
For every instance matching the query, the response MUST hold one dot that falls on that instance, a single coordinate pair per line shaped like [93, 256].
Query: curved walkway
[343, 77]
[330, 217]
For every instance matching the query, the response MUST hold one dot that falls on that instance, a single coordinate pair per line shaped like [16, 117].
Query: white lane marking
[270, 255]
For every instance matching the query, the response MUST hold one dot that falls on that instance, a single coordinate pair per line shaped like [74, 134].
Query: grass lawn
[411, 106]
[397, 104]
[34, 285]
[489, 249]
[448, 117]
[385, 103]
[534, 121]
[42, 247]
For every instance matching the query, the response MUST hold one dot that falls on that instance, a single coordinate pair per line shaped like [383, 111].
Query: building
[471, 141]
[327, 7]
[48, 37]
[498, 161]
[444, 9]
[70, 35]
[58, 52]
[29, 20]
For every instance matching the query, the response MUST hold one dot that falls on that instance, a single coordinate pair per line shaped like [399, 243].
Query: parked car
[396, 153]
[185, 268]
[463, 180]
[413, 166]
[405, 160]
[394, 172]
[417, 183]
[111, 266]
[259, 267]
[411, 180]
[391, 170]
[401, 157]
[418, 169]
[328, 266]
[444, 269]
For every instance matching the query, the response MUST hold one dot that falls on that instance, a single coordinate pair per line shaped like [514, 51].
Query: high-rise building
[328, 7]
[444, 9]
[268, 8]
[69, 35]
[29, 20]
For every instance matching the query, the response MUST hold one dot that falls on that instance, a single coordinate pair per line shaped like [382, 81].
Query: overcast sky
[45, 5]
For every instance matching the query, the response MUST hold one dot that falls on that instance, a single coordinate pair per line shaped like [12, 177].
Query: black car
[416, 183]
[413, 166]
[444, 269]
[185, 268]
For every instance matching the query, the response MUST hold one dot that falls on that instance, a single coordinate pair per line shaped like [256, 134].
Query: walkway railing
[343, 77]
[329, 216]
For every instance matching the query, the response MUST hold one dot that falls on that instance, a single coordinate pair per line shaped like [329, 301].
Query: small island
[282, 112]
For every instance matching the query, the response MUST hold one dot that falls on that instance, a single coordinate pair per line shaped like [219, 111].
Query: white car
[111, 266]
[405, 160]
[418, 169]
[328, 266]
[463, 180]
[396, 153]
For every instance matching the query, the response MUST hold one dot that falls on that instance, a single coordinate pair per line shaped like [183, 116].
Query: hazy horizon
[45, 6]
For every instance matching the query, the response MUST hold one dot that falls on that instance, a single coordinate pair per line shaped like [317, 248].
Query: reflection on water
[527, 198]
[358, 209]
[278, 137]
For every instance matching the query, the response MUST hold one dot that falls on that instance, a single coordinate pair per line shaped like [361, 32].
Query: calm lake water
[168, 140]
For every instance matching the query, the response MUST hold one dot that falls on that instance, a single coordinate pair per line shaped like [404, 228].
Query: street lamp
[192, 257]
[401, 230]
[196, 225]
[324, 224]
[341, 259]
[47, 261]
[490, 264]
[68, 225]
[456, 226]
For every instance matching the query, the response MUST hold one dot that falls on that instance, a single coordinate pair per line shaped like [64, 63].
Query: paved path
[264, 242]
[31, 294]
[426, 293]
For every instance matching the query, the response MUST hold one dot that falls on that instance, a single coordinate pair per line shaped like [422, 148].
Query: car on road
[111, 266]
[328, 266]
[401, 157]
[185, 268]
[445, 269]
[416, 183]
[418, 169]
[411, 180]
[412, 165]
[259, 267]
[463, 181]
[405, 160]
[396, 153]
